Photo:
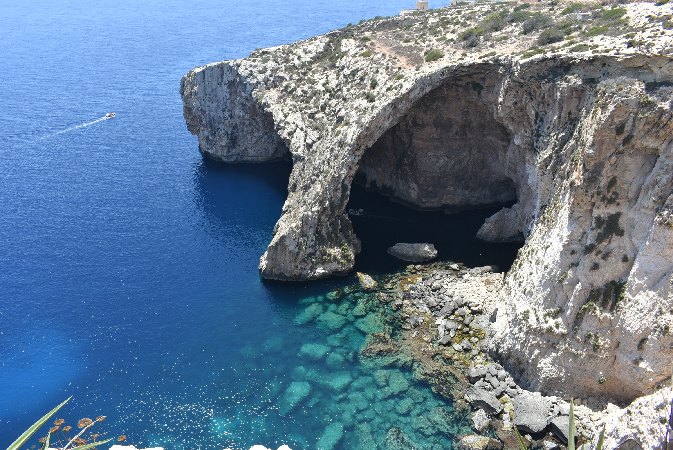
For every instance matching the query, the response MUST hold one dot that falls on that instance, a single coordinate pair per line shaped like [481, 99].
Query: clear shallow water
[128, 265]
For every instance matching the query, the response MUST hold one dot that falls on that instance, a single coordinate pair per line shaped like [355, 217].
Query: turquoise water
[128, 264]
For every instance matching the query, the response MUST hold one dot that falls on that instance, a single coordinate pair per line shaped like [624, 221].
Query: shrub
[470, 37]
[433, 55]
[567, 25]
[573, 7]
[494, 22]
[614, 13]
[549, 36]
[536, 22]
[519, 15]
[596, 30]
[470, 33]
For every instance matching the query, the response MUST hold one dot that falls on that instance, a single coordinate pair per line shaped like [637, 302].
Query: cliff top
[343, 76]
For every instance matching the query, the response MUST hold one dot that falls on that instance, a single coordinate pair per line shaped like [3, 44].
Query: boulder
[366, 281]
[531, 412]
[480, 420]
[413, 252]
[481, 398]
[476, 442]
[559, 427]
[475, 373]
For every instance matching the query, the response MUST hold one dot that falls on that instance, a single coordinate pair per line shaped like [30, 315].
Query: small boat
[356, 212]
[109, 115]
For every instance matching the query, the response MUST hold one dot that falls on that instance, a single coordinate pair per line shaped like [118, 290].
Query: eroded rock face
[580, 141]
[449, 138]
[595, 275]
[241, 132]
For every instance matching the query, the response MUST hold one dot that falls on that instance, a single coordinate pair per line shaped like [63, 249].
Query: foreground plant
[78, 442]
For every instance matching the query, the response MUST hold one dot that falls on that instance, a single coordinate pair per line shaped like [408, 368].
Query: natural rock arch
[448, 151]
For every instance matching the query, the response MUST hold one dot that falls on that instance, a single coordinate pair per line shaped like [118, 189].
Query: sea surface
[128, 263]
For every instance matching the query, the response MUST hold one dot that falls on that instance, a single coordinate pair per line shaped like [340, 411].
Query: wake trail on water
[76, 127]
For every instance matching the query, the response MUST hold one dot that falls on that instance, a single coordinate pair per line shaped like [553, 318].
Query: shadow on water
[385, 223]
[239, 200]
[225, 191]
[214, 175]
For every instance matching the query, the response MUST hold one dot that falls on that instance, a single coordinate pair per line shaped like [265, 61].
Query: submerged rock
[313, 351]
[397, 440]
[309, 314]
[293, 396]
[365, 438]
[338, 381]
[335, 360]
[331, 436]
[378, 344]
[331, 320]
[369, 324]
[413, 252]
[397, 382]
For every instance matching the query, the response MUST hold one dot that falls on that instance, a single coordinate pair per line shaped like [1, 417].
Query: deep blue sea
[128, 263]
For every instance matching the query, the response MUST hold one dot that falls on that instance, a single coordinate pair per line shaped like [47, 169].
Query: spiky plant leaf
[36, 426]
[599, 446]
[46, 440]
[571, 427]
[520, 440]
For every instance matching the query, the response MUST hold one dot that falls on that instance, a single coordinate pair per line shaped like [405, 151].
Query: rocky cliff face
[469, 106]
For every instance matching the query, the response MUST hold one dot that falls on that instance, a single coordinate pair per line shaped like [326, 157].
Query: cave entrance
[445, 168]
[385, 223]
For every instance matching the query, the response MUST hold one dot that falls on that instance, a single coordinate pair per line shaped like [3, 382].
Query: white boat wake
[81, 125]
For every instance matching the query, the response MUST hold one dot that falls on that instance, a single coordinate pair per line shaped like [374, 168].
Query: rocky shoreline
[444, 312]
[564, 111]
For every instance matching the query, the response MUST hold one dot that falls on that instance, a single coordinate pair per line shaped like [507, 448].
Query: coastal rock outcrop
[465, 107]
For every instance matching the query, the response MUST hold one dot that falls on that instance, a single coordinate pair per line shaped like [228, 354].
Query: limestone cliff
[461, 107]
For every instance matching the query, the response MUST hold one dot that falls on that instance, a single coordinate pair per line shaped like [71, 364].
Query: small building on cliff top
[421, 5]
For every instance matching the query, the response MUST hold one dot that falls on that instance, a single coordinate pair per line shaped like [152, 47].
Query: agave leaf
[36, 426]
[520, 440]
[571, 427]
[92, 445]
[46, 441]
[599, 446]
